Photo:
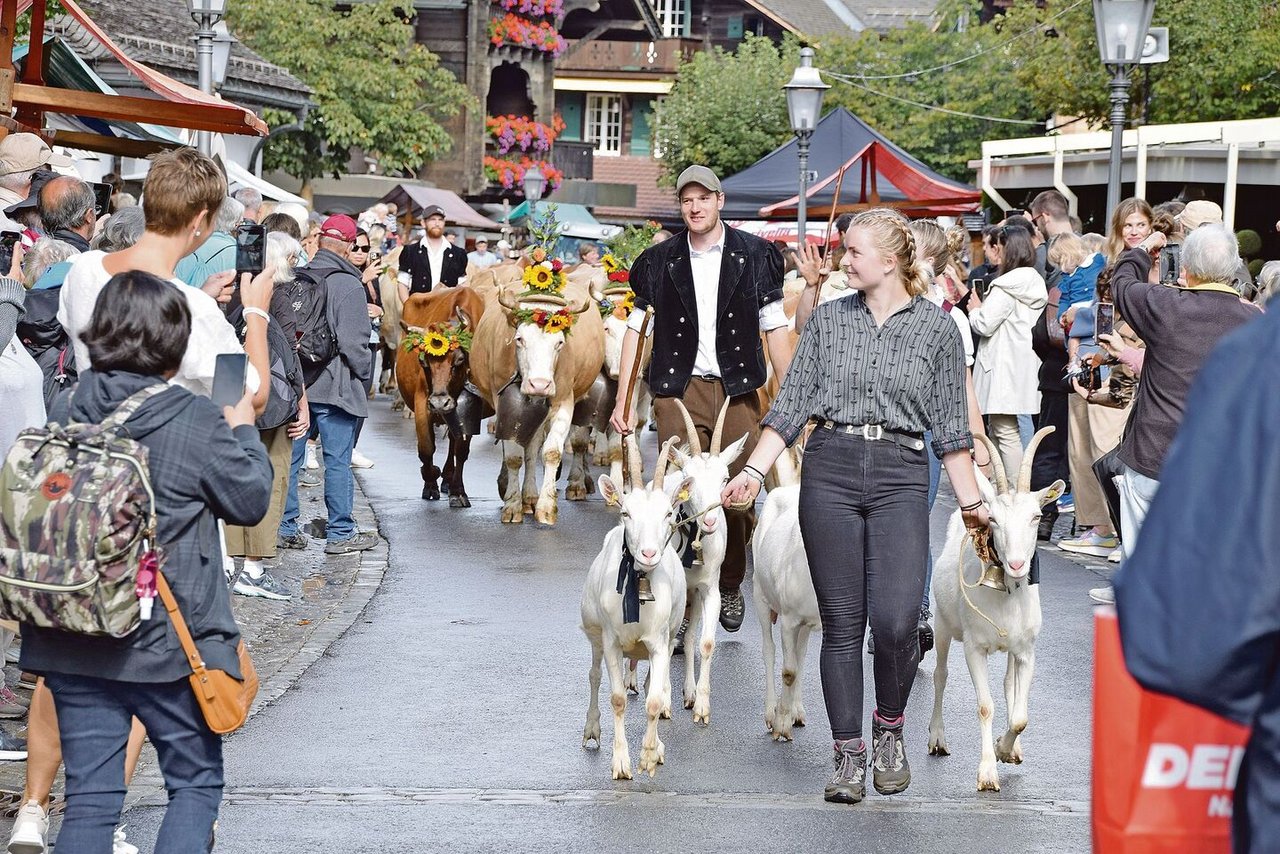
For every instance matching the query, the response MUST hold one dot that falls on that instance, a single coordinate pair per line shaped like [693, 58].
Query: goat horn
[1028, 457]
[664, 457]
[695, 444]
[719, 431]
[1002, 480]
[635, 465]
[507, 301]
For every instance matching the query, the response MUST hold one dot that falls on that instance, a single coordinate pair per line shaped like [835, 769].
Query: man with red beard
[432, 261]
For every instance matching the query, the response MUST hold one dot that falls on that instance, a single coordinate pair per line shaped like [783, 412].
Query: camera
[1170, 264]
[1089, 376]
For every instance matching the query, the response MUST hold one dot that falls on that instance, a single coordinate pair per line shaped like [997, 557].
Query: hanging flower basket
[522, 32]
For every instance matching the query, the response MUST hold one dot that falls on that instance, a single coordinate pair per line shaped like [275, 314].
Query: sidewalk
[284, 638]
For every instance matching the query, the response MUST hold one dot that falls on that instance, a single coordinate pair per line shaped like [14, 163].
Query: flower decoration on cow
[437, 340]
[624, 248]
[542, 302]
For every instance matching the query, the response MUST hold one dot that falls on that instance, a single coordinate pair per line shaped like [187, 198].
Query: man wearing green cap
[713, 290]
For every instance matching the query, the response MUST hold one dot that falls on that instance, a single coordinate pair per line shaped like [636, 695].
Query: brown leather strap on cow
[179, 624]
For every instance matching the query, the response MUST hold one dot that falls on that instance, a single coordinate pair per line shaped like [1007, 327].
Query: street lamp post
[1122, 28]
[804, 106]
[206, 13]
[533, 183]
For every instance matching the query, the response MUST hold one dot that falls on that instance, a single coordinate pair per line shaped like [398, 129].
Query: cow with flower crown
[537, 350]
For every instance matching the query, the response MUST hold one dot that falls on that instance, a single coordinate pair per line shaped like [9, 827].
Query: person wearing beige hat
[1204, 212]
[21, 154]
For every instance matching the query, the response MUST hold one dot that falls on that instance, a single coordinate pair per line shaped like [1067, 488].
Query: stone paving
[284, 638]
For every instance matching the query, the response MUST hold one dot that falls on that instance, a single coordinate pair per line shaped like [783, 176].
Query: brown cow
[431, 385]
[537, 370]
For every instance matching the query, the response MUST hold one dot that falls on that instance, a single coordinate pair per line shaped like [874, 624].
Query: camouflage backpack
[77, 515]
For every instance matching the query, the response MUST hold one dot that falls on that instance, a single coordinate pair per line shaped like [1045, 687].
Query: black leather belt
[876, 433]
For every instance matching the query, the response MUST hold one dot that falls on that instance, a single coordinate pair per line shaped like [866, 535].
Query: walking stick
[826, 236]
[633, 374]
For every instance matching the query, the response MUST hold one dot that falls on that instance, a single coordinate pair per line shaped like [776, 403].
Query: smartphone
[980, 286]
[101, 198]
[1105, 321]
[8, 240]
[228, 379]
[251, 249]
[1170, 264]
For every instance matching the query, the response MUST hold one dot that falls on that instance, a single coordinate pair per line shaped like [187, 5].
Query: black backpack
[287, 386]
[317, 344]
[47, 342]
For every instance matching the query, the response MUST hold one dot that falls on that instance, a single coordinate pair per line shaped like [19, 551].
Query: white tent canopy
[237, 177]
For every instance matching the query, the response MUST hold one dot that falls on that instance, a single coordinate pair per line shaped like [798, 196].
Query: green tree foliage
[374, 88]
[1224, 61]
[726, 110]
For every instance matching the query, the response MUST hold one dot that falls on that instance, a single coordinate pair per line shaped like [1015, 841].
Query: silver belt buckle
[872, 432]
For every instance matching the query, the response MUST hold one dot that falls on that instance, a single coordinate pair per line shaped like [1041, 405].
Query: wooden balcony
[597, 56]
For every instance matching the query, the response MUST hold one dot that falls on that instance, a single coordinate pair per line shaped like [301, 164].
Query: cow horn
[1002, 480]
[1028, 457]
[635, 470]
[695, 444]
[586, 304]
[503, 297]
[719, 431]
[664, 457]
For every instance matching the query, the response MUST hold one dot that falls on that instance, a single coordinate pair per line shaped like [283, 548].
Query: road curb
[147, 788]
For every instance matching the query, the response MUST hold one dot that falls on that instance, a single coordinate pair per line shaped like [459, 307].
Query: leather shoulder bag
[223, 699]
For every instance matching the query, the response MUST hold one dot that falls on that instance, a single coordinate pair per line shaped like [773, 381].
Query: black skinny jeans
[864, 518]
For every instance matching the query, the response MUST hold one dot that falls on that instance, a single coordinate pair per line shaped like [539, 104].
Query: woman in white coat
[1006, 373]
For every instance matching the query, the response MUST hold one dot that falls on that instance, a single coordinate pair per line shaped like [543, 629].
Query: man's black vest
[750, 278]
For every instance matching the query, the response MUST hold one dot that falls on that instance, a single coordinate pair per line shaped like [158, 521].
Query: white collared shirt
[706, 289]
[435, 260]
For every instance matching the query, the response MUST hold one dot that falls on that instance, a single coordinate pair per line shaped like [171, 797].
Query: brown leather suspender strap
[179, 624]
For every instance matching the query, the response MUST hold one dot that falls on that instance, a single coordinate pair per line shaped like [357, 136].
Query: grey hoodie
[342, 382]
[201, 470]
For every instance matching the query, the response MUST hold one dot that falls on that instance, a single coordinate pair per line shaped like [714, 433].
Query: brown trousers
[703, 398]
[260, 540]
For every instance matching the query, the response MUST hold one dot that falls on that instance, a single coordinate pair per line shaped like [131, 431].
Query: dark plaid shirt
[907, 375]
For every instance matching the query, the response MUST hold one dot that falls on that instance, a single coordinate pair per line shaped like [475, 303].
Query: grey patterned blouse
[907, 375]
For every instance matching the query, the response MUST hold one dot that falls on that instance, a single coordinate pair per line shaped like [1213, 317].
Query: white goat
[783, 589]
[1002, 613]
[647, 520]
[706, 474]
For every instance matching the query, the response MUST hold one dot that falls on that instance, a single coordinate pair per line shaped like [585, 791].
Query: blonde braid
[894, 237]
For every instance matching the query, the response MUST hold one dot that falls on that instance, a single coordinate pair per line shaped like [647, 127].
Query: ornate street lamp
[533, 183]
[206, 13]
[804, 105]
[1122, 29]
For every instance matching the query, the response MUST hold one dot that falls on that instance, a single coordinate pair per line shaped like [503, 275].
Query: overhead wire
[960, 113]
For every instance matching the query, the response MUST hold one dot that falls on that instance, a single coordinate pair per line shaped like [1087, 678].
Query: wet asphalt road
[450, 717]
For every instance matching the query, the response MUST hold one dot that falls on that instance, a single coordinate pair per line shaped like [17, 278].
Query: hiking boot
[925, 630]
[264, 586]
[296, 540]
[355, 543]
[678, 649]
[12, 748]
[890, 772]
[30, 830]
[848, 785]
[732, 609]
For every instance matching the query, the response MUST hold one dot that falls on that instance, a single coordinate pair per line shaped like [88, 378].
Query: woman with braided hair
[876, 370]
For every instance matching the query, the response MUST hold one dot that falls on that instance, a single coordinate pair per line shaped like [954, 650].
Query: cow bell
[519, 416]
[595, 407]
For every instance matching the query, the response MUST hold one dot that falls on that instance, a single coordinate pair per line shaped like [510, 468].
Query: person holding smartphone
[369, 262]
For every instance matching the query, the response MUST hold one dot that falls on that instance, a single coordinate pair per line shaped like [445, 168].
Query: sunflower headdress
[437, 340]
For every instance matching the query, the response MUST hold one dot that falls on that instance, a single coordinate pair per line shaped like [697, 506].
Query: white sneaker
[1103, 595]
[360, 461]
[119, 845]
[311, 461]
[1116, 556]
[30, 827]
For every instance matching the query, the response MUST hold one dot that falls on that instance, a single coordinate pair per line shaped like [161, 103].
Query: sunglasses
[359, 248]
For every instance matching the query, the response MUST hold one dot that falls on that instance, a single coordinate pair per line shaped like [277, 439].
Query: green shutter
[641, 131]
[735, 27]
[570, 106]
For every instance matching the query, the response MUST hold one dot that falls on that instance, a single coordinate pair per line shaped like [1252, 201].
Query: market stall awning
[176, 104]
[575, 220]
[877, 173]
[415, 197]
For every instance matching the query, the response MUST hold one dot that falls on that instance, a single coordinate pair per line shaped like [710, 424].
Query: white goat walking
[648, 518]
[706, 474]
[783, 588]
[1001, 614]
